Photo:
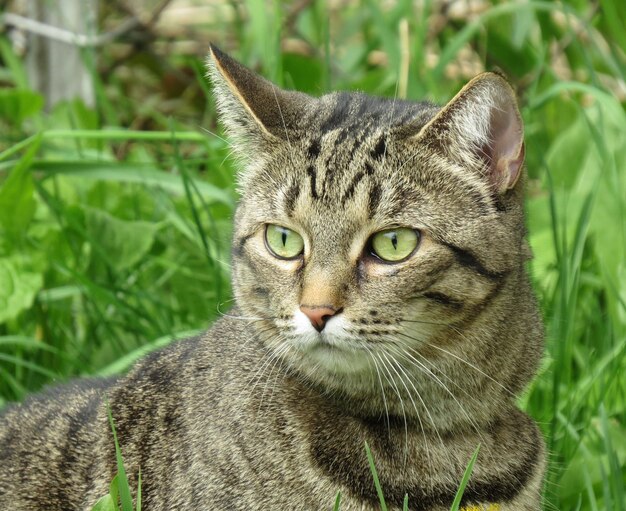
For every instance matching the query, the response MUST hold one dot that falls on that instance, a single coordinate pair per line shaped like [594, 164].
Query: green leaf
[124, 243]
[573, 142]
[17, 105]
[17, 288]
[74, 115]
[110, 500]
[616, 479]
[463, 36]
[17, 195]
[13, 63]
[114, 492]
[302, 73]
[106, 503]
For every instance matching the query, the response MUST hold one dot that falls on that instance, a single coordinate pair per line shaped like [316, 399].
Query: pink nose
[319, 314]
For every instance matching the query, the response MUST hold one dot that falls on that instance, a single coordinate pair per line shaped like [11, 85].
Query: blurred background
[117, 190]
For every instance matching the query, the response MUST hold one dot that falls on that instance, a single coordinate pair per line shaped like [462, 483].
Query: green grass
[115, 221]
[119, 497]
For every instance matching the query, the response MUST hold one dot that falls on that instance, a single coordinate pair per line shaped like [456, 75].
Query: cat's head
[377, 237]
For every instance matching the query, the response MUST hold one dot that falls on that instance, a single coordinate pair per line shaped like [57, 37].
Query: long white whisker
[282, 119]
[228, 155]
[433, 367]
[469, 364]
[419, 418]
[277, 358]
[270, 358]
[382, 388]
[407, 356]
[407, 161]
[266, 329]
[243, 318]
[216, 136]
[406, 428]
[430, 417]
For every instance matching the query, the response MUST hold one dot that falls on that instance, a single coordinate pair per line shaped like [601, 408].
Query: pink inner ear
[511, 168]
[507, 145]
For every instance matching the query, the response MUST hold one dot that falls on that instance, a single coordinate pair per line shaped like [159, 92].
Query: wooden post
[56, 69]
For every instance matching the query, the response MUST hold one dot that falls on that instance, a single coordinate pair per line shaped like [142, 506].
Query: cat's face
[368, 248]
[370, 229]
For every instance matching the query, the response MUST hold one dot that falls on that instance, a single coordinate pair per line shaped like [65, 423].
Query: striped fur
[423, 360]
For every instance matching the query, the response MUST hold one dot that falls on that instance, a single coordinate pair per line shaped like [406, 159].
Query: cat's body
[421, 356]
[206, 438]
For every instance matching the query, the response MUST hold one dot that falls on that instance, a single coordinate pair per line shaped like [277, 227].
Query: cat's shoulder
[191, 361]
[59, 394]
[223, 347]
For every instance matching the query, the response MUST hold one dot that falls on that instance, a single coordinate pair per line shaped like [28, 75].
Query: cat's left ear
[482, 124]
[253, 109]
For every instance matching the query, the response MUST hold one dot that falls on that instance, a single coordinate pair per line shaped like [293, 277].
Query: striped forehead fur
[341, 138]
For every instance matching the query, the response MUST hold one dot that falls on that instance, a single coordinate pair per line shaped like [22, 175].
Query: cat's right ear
[253, 110]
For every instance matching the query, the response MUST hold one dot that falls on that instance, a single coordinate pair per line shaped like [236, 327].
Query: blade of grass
[18, 147]
[17, 388]
[29, 365]
[466, 476]
[105, 503]
[559, 88]
[124, 362]
[124, 173]
[122, 480]
[118, 134]
[379, 490]
[211, 258]
[138, 507]
[615, 473]
[337, 502]
[27, 342]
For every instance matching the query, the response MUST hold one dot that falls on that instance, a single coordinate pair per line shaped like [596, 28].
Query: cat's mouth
[333, 343]
[334, 349]
[334, 336]
[324, 341]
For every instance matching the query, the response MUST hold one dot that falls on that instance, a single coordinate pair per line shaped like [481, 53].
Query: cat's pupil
[394, 241]
[284, 237]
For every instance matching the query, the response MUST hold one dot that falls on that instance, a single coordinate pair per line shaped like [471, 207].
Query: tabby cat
[381, 296]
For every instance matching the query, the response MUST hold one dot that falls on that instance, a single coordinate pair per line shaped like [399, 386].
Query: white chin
[334, 349]
[339, 360]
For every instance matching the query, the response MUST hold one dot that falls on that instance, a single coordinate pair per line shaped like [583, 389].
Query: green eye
[282, 242]
[393, 245]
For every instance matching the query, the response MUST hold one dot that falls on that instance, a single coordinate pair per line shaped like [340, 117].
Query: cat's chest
[426, 467]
